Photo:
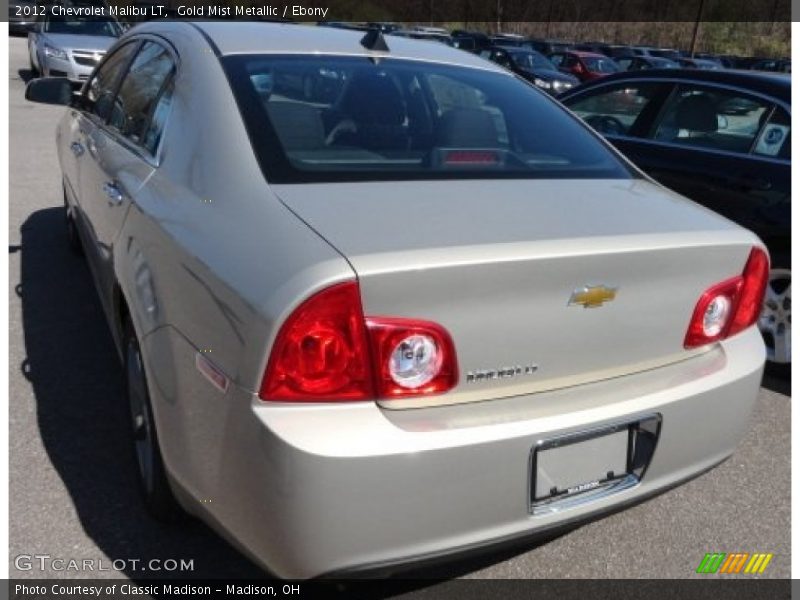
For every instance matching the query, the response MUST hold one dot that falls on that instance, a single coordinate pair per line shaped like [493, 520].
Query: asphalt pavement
[72, 489]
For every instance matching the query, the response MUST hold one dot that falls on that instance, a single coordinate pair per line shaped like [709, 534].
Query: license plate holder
[575, 468]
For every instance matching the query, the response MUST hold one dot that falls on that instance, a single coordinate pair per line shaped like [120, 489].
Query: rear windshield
[334, 118]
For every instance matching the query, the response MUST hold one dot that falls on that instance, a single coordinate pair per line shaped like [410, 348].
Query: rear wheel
[775, 321]
[152, 476]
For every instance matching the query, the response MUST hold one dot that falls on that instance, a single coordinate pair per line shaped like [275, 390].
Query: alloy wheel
[775, 321]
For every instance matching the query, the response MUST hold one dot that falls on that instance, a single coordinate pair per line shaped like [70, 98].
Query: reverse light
[327, 351]
[716, 315]
[731, 306]
[411, 357]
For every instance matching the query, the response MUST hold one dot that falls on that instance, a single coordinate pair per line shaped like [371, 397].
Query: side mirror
[50, 90]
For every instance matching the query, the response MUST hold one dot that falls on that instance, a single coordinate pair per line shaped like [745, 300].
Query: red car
[584, 65]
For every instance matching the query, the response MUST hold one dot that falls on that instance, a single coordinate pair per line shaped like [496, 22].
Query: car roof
[777, 85]
[254, 37]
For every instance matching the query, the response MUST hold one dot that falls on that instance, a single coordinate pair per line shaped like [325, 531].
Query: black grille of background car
[87, 58]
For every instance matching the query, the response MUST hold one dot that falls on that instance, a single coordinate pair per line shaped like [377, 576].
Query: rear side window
[318, 118]
[101, 89]
[140, 91]
[711, 118]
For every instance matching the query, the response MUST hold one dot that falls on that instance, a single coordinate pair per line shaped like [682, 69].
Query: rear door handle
[77, 148]
[113, 193]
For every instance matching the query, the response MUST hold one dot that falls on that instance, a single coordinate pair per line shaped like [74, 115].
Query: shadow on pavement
[26, 75]
[778, 378]
[77, 380]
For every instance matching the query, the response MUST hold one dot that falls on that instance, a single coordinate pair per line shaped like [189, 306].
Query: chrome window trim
[680, 80]
[781, 161]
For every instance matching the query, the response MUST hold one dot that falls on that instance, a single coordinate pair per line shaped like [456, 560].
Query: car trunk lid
[511, 270]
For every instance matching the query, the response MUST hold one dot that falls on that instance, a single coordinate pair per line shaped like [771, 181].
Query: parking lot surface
[72, 489]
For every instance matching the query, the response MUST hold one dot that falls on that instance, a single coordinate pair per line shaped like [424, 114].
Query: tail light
[730, 306]
[328, 351]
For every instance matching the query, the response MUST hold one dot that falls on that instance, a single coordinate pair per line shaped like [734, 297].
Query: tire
[153, 483]
[73, 237]
[775, 321]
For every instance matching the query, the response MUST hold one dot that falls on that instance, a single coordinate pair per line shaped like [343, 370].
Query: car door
[85, 117]
[120, 156]
[696, 139]
[703, 145]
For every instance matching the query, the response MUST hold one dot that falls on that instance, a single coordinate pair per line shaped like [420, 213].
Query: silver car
[70, 47]
[414, 308]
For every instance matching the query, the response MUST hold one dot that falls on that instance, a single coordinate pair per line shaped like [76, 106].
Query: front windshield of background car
[598, 64]
[532, 60]
[82, 26]
[333, 118]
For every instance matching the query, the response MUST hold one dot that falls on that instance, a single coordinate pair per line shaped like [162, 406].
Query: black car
[510, 39]
[721, 138]
[471, 41]
[548, 47]
[532, 66]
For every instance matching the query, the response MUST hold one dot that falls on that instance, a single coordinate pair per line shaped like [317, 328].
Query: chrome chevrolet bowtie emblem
[592, 296]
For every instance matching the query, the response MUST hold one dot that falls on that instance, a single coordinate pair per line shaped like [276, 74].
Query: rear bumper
[309, 490]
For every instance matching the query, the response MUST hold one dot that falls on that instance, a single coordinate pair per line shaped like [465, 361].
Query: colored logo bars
[737, 562]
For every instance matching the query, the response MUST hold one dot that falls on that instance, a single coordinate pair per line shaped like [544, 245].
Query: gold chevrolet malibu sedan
[381, 301]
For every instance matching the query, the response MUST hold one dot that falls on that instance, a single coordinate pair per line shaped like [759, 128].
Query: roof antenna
[373, 40]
